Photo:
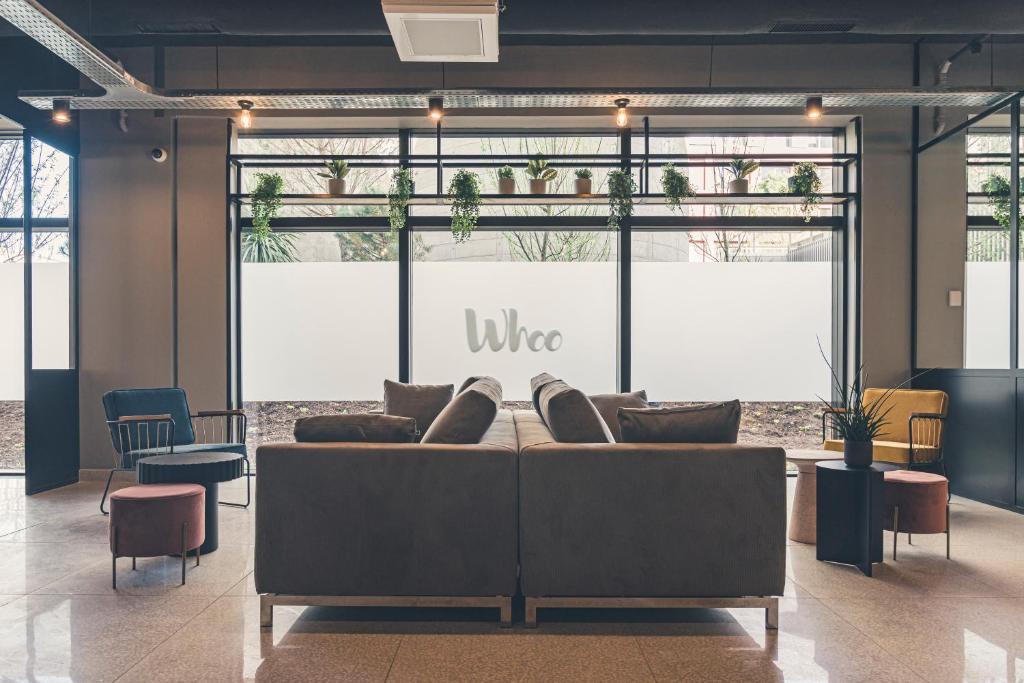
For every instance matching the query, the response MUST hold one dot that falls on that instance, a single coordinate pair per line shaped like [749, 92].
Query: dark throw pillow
[570, 415]
[608, 406]
[536, 384]
[470, 414]
[421, 402]
[366, 427]
[708, 423]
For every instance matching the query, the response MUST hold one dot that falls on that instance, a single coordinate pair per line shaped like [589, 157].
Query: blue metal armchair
[146, 422]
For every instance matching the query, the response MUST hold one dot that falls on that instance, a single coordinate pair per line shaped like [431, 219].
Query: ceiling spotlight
[245, 116]
[61, 111]
[622, 113]
[813, 109]
[435, 108]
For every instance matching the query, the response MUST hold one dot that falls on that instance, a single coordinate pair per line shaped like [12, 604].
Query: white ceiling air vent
[443, 30]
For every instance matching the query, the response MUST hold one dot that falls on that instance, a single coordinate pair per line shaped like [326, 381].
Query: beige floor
[920, 619]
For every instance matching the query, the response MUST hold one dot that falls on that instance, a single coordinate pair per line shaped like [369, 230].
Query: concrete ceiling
[541, 20]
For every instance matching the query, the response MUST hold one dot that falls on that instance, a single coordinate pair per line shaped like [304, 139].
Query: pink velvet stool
[154, 520]
[916, 503]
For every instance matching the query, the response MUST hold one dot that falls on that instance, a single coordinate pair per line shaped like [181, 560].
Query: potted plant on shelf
[805, 182]
[998, 190]
[506, 180]
[335, 172]
[676, 187]
[741, 170]
[398, 197]
[540, 174]
[584, 181]
[620, 197]
[263, 244]
[464, 194]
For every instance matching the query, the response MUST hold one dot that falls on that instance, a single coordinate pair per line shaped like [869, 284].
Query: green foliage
[621, 187]
[464, 194]
[538, 169]
[398, 197]
[336, 169]
[262, 244]
[741, 168]
[805, 182]
[676, 186]
[268, 247]
[998, 190]
[506, 172]
[584, 173]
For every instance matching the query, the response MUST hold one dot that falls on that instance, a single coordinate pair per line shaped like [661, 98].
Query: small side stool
[156, 519]
[916, 503]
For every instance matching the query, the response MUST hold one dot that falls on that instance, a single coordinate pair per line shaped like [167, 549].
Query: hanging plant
[805, 182]
[620, 197]
[464, 194]
[676, 187]
[998, 190]
[398, 197]
[262, 244]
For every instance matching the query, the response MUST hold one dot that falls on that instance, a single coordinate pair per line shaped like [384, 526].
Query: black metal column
[26, 244]
[625, 276]
[1014, 230]
[405, 275]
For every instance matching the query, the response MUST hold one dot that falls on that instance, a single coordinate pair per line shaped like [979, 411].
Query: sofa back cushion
[421, 402]
[366, 427]
[608, 406]
[536, 384]
[469, 415]
[708, 423]
[570, 415]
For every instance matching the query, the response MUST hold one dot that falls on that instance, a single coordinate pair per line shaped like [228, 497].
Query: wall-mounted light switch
[956, 298]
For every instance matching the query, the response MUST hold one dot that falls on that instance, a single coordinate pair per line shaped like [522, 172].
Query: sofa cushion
[358, 427]
[469, 415]
[570, 415]
[536, 384]
[608, 406]
[421, 402]
[708, 423]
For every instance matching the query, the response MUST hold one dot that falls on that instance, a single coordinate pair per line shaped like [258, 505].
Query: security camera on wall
[158, 154]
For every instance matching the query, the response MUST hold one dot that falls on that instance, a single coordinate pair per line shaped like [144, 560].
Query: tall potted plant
[805, 182]
[506, 180]
[584, 181]
[398, 197]
[741, 170]
[335, 171]
[464, 194]
[540, 174]
[621, 187]
[676, 187]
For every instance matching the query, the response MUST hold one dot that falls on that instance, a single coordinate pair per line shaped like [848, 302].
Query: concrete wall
[128, 203]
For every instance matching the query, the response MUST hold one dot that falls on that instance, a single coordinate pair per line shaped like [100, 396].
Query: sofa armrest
[385, 519]
[652, 520]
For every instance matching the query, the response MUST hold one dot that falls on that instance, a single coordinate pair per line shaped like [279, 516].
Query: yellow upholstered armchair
[914, 430]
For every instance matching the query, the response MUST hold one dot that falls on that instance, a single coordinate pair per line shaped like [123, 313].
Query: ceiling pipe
[942, 76]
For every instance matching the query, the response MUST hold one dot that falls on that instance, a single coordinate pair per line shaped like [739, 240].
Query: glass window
[319, 326]
[51, 259]
[514, 304]
[720, 315]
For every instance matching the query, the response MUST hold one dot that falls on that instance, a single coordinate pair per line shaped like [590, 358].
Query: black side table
[207, 469]
[850, 508]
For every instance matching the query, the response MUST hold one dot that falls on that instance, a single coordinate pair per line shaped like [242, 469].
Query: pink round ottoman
[154, 520]
[916, 503]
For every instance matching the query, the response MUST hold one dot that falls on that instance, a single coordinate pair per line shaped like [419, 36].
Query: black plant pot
[857, 453]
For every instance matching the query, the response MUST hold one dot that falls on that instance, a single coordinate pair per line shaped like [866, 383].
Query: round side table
[803, 524]
[207, 469]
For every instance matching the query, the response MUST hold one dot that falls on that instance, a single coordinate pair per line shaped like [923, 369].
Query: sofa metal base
[268, 600]
[770, 605]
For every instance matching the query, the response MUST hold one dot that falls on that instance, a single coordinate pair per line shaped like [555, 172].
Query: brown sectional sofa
[570, 524]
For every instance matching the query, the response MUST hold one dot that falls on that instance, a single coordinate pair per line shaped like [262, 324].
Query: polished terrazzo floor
[922, 618]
